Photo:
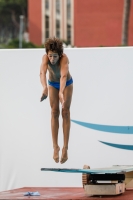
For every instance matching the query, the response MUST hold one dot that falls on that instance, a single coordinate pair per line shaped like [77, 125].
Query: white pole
[21, 31]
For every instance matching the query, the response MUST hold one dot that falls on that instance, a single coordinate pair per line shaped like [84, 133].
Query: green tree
[10, 10]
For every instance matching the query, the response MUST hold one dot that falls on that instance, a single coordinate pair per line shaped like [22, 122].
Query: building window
[57, 28]
[68, 9]
[47, 4]
[47, 26]
[69, 33]
[58, 7]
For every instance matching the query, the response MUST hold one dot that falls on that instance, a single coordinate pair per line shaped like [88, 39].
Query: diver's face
[53, 57]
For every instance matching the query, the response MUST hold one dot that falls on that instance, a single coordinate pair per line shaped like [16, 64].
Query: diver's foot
[64, 156]
[56, 154]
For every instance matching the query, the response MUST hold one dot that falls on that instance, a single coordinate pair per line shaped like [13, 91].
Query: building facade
[82, 23]
[48, 18]
[99, 23]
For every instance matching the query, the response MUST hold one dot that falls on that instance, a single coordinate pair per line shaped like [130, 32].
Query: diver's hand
[61, 97]
[44, 94]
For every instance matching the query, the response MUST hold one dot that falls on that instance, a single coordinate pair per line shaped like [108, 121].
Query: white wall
[103, 94]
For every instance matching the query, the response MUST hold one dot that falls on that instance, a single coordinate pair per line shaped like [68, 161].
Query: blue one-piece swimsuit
[55, 69]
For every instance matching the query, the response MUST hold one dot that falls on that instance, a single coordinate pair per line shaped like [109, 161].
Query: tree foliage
[10, 8]
[10, 11]
[14, 44]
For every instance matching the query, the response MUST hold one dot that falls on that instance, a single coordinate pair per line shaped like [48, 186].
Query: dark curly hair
[54, 44]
